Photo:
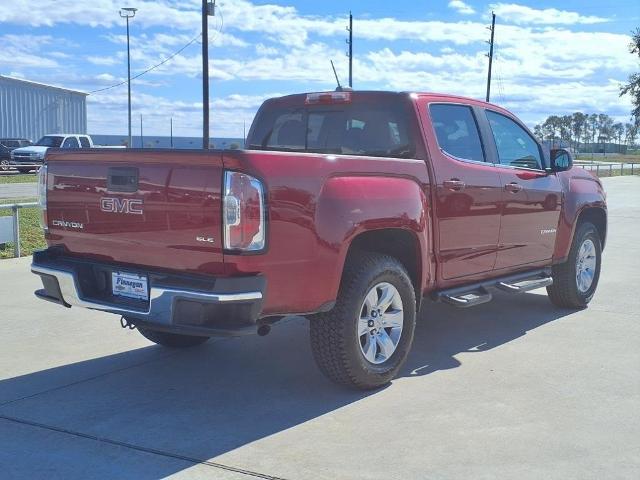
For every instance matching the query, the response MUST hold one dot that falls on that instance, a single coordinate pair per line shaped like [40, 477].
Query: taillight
[243, 212]
[327, 98]
[42, 197]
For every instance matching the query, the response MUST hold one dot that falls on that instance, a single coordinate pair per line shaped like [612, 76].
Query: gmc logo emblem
[121, 205]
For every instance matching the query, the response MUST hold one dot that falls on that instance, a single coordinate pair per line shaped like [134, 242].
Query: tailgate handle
[122, 179]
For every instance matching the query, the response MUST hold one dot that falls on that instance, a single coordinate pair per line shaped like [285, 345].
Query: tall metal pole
[350, 42]
[127, 13]
[171, 132]
[205, 74]
[141, 135]
[493, 29]
[129, 80]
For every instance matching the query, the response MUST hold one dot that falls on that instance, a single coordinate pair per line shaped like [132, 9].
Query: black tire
[4, 165]
[565, 292]
[171, 340]
[335, 341]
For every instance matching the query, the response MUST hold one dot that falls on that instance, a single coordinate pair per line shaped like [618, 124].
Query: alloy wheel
[380, 323]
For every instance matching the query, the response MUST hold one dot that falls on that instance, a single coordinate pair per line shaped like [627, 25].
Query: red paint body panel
[181, 200]
[316, 205]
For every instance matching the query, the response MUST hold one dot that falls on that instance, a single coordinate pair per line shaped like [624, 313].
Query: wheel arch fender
[384, 214]
[584, 200]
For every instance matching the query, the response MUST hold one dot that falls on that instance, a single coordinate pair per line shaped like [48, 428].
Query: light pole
[208, 9]
[128, 13]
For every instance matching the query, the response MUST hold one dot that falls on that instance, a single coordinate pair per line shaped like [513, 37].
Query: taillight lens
[243, 213]
[42, 197]
[327, 98]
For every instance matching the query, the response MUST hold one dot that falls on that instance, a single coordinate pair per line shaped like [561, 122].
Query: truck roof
[391, 93]
[66, 135]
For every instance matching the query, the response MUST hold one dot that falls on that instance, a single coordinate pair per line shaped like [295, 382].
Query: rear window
[50, 141]
[369, 129]
[457, 131]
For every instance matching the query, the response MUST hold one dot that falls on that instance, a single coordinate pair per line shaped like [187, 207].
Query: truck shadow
[443, 331]
[230, 393]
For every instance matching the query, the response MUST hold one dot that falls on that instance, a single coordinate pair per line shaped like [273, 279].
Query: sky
[551, 57]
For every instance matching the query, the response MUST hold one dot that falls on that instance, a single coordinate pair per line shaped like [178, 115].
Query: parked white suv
[28, 158]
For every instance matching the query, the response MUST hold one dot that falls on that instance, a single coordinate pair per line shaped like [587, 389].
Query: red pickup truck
[352, 208]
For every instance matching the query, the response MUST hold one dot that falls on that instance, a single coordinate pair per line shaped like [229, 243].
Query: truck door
[467, 190]
[531, 198]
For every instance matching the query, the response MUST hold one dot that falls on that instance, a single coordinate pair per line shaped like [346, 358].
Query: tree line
[587, 128]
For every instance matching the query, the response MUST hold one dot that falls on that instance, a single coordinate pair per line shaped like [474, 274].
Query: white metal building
[30, 110]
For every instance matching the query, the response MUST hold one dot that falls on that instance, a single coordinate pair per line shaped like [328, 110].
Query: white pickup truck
[29, 158]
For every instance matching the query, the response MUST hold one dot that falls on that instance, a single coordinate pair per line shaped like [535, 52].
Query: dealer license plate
[129, 285]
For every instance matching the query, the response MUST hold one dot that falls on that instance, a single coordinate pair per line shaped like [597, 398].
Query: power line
[178, 52]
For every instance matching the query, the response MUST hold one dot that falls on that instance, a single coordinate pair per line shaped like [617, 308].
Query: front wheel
[366, 338]
[4, 165]
[171, 340]
[575, 281]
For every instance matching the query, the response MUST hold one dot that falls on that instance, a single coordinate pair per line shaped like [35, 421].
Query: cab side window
[457, 131]
[84, 141]
[71, 142]
[515, 146]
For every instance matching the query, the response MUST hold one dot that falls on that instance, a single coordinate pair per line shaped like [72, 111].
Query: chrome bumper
[161, 305]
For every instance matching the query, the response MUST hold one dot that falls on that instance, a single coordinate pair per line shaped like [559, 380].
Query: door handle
[454, 184]
[513, 187]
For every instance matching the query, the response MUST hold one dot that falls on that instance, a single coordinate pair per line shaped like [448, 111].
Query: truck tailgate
[141, 207]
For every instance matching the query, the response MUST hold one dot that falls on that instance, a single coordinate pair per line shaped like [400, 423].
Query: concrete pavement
[511, 389]
[18, 190]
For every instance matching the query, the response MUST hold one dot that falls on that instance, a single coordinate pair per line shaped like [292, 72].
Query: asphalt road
[513, 389]
[18, 190]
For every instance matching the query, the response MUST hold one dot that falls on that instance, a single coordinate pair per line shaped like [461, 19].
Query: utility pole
[128, 13]
[350, 54]
[171, 132]
[141, 135]
[493, 30]
[208, 8]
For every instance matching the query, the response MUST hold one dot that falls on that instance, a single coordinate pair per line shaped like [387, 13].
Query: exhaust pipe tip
[263, 330]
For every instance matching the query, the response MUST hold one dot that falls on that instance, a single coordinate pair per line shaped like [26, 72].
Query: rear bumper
[188, 304]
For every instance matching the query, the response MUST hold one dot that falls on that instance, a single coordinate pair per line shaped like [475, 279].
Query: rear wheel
[366, 338]
[171, 340]
[575, 281]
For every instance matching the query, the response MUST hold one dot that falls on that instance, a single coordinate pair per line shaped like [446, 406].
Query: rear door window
[84, 141]
[457, 131]
[70, 142]
[370, 129]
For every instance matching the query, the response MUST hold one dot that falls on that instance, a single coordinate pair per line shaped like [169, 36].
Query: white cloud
[104, 61]
[521, 15]
[461, 7]
[542, 65]
[229, 115]
[26, 51]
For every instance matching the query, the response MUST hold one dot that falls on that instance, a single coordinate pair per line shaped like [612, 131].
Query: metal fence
[10, 225]
[612, 169]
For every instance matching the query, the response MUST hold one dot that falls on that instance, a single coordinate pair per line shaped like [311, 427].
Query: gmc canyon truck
[351, 208]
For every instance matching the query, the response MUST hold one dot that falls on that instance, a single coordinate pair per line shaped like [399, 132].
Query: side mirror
[561, 160]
